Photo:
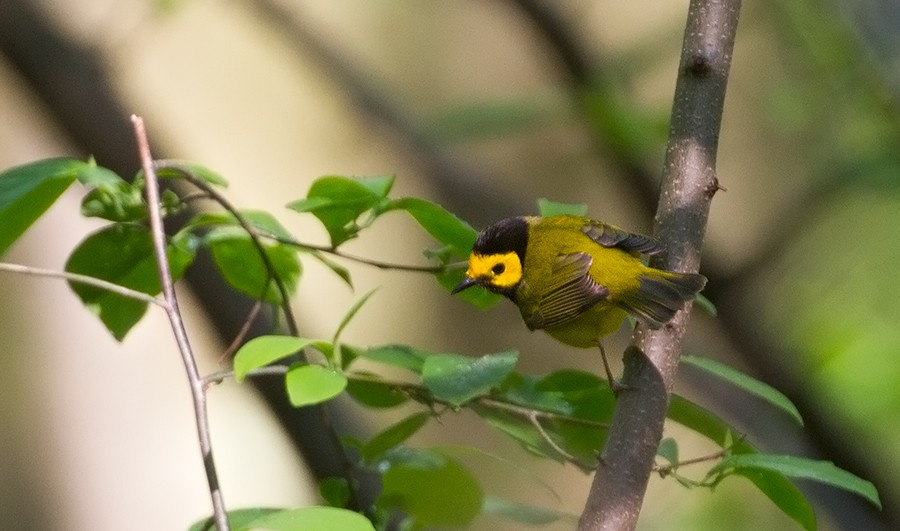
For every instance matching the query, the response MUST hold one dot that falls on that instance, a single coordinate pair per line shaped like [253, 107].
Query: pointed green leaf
[773, 484]
[458, 379]
[342, 272]
[350, 314]
[393, 436]
[668, 450]
[549, 208]
[522, 389]
[375, 394]
[801, 468]
[747, 383]
[242, 267]
[262, 221]
[438, 496]
[335, 491]
[313, 384]
[526, 514]
[339, 201]
[442, 225]
[122, 254]
[174, 169]
[403, 356]
[263, 350]
[311, 518]
[27, 191]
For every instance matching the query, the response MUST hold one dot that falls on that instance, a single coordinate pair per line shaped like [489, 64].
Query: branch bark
[688, 185]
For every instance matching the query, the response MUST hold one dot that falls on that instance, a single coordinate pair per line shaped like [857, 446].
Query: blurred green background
[483, 107]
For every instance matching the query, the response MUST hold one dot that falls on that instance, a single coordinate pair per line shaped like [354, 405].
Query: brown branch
[83, 279]
[689, 183]
[197, 384]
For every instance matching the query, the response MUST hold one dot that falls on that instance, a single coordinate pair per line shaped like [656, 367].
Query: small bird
[576, 278]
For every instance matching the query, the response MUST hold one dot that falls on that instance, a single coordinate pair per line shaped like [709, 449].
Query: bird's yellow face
[495, 271]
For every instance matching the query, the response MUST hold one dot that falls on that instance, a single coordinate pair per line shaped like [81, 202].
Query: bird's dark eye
[498, 269]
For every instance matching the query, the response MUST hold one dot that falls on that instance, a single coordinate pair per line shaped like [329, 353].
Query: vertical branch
[197, 385]
[688, 185]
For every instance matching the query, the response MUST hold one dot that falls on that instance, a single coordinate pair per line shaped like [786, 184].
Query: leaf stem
[198, 389]
[359, 259]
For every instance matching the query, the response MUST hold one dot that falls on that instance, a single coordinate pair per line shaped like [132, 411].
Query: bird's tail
[660, 294]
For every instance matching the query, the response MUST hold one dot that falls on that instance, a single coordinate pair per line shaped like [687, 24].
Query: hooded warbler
[576, 278]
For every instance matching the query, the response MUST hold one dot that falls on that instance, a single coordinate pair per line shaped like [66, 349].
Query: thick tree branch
[689, 183]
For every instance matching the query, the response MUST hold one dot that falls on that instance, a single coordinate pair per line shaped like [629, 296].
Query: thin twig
[242, 333]
[358, 259]
[83, 279]
[254, 237]
[549, 415]
[291, 321]
[533, 419]
[198, 390]
[665, 470]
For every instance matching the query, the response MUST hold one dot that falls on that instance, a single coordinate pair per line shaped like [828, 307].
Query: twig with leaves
[197, 385]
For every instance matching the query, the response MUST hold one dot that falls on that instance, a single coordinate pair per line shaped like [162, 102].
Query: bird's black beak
[466, 283]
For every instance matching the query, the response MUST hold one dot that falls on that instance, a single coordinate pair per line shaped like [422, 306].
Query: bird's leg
[614, 385]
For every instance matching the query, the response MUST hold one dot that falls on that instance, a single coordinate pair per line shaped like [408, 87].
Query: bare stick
[198, 389]
[82, 279]
[689, 183]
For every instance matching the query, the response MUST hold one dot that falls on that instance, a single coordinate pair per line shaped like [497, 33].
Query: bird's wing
[569, 292]
[612, 236]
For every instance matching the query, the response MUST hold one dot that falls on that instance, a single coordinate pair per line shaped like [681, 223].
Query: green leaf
[403, 356]
[335, 491]
[393, 436]
[520, 429]
[122, 254]
[27, 191]
[263, 350]
[549, 208]
[238, 519]
[704, 422]
[524, 513]
[591, 400]
[313, 384]
[443, 494]
[458, 379]
[800, 468]
[374, 393]
[705, 304]
[774, 485]
[342, 272]
[747, 383]
[440, 224]
[262, 221]
[345, 321]
[522, 389]
[311, 518]
[339, 201]
[668, 450]
[92, 175]
[175, 169]
[239, 261]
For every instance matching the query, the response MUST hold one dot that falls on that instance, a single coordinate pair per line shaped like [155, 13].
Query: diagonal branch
[197, 384]
[688, 185]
